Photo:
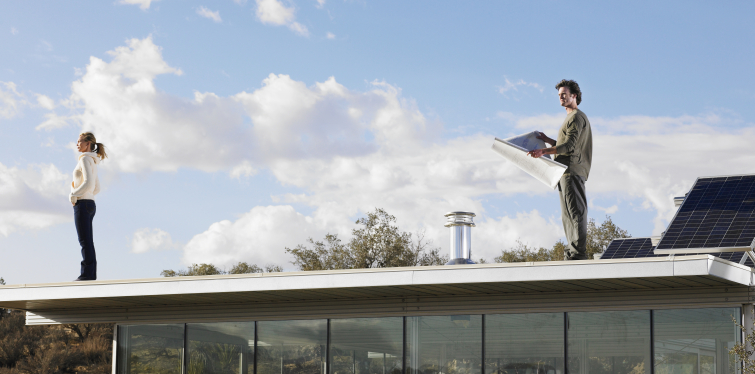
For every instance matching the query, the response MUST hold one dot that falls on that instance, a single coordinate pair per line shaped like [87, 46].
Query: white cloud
[143, 4]
[243, 170]
[206, 13]
[493, 235]
[330, 35]
[119, 102]
[609, 210]
[320, 4]
[10, 100]
[45, 46]
[50, 142]
[273, 12]
[299, 28]
[45, 102]
[13, 31]
[33, 198]
[514, 86]
[147, 239]
[53, 121]
[259, 236]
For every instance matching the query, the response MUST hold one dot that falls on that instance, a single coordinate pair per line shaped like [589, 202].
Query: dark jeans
[83, 214]
[571, 190]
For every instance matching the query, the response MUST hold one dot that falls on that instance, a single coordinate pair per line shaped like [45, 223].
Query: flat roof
[481, 279]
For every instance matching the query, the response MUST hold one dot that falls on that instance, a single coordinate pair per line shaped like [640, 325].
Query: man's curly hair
[573, 88]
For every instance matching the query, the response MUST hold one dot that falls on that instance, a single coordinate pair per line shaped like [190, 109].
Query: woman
[83, 188]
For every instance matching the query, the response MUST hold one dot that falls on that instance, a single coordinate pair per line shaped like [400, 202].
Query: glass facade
[609, 342]
[524, 343]
[150, 349]
[292, 347]
[444, 344]
[220, 348]
[695, 341]
[680, 341]
[366, 345]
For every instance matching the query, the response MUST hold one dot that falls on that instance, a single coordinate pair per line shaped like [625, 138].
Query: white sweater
[85, 182]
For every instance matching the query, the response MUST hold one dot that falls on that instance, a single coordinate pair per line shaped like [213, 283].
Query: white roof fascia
[693, 265]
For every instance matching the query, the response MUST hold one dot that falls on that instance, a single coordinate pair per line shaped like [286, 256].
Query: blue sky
[239, 128]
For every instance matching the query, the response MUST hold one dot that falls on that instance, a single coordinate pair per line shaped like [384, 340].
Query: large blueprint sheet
[515, 150]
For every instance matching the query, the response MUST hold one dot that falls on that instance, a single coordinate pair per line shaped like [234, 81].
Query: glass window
[291, 347]
[150, 348]
[366, 345]
[609, 342]
[444, 344]
[695, 341]
[524, 343]
[221, 348]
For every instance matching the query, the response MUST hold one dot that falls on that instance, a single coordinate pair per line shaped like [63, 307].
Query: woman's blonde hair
[99, 148]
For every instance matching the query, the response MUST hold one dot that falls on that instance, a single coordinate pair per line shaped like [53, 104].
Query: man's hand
[537, 153]
[546, 139]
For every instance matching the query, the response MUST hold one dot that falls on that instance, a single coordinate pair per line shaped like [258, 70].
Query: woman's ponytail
[101, 151]
[100, 148]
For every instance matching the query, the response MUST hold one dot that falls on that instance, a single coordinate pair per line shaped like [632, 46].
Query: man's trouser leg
[574, 216]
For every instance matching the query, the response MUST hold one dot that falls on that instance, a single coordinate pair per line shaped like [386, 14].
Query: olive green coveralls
[574, 149]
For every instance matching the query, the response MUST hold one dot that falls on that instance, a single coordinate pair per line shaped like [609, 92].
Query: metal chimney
[461, 224]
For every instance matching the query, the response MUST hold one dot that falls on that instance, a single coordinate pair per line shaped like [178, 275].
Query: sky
[236, 129]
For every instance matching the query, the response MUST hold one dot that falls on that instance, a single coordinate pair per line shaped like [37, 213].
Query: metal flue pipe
[461, 224]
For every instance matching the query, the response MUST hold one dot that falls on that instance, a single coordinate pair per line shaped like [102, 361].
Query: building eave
[527, 277]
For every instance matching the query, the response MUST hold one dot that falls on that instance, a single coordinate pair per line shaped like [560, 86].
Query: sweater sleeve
[573, 128]
[87, 165]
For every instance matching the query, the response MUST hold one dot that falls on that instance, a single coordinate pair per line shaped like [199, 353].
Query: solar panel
[643, 247]
[717, 215]
[629, 248]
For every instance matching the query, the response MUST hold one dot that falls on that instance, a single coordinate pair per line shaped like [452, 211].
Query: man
[572, 148]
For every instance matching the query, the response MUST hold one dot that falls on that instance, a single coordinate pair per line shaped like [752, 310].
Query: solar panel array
[719, 212]
[643, 247]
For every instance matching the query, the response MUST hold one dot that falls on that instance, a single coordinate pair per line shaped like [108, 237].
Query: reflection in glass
[524, 343]
[221, 348]
[444, 344]
[366, 345]
[150, 348]
[291, 347]
[695, 341]
[609, 342]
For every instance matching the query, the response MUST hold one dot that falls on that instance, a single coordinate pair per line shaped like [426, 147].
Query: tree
[210, 269]
[598, 238]
[745, 350]
[244, 268]
[379, 243]
[524, 253]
